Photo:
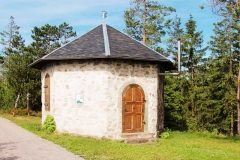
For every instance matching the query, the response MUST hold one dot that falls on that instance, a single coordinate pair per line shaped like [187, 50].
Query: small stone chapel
[104, 84]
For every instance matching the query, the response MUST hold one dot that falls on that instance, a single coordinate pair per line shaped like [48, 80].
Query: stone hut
[104, 84]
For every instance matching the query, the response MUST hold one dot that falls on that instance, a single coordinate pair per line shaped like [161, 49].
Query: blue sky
[85, 15]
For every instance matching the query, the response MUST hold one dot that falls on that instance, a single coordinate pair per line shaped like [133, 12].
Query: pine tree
[6, 40]
[16, 74]
[192, 56]
[66, 32]
[226, 57]
[173, 95]
[231, 9]
[7, 36]
[21, 79]
[175, 34]
[46, 39]
[146, 21]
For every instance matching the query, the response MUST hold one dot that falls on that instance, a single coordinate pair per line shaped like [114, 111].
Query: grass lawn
[179, 146]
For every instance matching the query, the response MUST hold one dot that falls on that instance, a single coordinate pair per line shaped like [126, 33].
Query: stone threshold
[140, 137]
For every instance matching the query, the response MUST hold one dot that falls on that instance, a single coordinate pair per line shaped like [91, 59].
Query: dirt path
[19, 144]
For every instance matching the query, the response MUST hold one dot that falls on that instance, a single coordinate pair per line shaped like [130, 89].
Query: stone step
[140, 140]
[143, 135]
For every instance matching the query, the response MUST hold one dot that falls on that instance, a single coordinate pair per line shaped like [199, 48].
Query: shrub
[49, 124]
[165, 134]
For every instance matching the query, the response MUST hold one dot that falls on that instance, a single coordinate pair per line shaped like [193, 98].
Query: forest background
[203, 97]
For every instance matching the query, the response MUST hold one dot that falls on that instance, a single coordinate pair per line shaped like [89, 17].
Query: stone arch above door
[133, 107]
[47, 92]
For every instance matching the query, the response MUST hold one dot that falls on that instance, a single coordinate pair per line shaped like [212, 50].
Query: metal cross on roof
[104, 15]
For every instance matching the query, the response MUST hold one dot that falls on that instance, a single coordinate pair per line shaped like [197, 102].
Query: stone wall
[101, 84]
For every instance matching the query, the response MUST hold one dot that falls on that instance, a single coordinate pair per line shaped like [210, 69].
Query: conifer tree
[230, 10]
[16, 73]
[225, 58]
[6, 40]
[175, 33]
[7, 37]
[66, 32]
[192, 56]
[173, 95]
[46, 39]
[20, 79]
[146, 21]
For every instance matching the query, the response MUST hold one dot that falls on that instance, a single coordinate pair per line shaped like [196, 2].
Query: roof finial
[104, 15]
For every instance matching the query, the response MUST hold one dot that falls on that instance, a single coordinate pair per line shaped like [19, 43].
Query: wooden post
[28, 96]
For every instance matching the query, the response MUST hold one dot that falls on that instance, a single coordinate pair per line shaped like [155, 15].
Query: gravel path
[19, 144]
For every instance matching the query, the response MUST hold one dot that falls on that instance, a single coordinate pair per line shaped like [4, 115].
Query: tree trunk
[144, 22]
[16, 102]
[231, 75]
[238, 98]
[3, 72]
[232, 123]
[192, 88]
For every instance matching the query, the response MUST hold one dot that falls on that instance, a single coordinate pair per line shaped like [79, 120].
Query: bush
[165, 134]
[49, 124]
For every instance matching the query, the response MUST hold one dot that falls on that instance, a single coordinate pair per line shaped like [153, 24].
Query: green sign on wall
[79, 99]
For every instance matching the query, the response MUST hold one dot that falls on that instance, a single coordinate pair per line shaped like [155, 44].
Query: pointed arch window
[47, 92]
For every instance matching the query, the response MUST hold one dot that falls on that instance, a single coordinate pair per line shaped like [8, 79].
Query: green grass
[179, 146]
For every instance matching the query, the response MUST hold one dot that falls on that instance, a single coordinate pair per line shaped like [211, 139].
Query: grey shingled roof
[92, 46]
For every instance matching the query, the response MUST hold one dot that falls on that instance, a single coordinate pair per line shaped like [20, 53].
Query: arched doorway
[133, 101]
[47, 93]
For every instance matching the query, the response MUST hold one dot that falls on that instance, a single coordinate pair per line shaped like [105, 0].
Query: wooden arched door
[47, 92]
[133, 101]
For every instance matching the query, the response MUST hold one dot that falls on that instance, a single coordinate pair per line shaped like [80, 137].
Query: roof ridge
[106, 40]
